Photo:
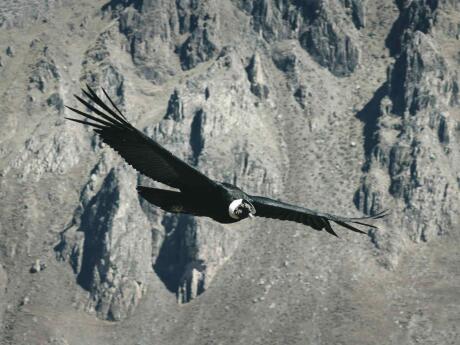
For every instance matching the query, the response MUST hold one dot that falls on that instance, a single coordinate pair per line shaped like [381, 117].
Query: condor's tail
[168, 200]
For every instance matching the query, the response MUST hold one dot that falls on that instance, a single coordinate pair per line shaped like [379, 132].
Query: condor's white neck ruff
[233, 206]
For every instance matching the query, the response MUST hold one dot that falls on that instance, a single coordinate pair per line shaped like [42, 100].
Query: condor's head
[241, 209]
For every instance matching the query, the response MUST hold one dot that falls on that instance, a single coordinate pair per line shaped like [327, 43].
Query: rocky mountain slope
[347, 106]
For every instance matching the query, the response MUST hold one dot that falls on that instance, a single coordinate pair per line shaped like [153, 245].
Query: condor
[196, 193]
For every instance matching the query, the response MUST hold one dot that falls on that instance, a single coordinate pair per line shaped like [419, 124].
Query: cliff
[346, 106]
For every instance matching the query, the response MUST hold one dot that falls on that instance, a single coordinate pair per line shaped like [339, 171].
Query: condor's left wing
[143, 153]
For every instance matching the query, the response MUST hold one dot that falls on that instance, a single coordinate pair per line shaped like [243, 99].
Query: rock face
[329, 44]
[108, 244]
[164, 36]
[256, 77]
[345, 106]
[43, 152]
[316, 25]
[214, 133]
[412, 140]
[111, 258]
[3, 285]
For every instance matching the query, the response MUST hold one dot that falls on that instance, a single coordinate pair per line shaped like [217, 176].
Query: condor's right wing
[269, 208]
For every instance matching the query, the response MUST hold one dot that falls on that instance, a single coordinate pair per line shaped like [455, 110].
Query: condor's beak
[251, 215]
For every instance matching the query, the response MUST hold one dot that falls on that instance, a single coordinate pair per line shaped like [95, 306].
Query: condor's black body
[196, 193]
[213, 203]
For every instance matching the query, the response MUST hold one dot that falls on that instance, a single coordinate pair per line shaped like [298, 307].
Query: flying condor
[196, 193]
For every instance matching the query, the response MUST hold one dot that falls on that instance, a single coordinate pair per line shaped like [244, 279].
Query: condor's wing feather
[269, 208]
[143, 153]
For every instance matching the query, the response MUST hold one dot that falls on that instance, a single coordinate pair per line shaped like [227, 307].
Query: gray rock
[38, 266]
[417, 15]
[44, 71]
[213, 136]
[112, 258]
[10, 51]
[412, 131]
[56, 154]
[356, 9]
[175, 110]
[202, 21]
[195, 128]
[330, 45]
[3, 289]
[300, 96]
[315, 24]
[285, 60]
[55, 101]
[199, 47]
[256, 77]
[412, 76]
[152, 46]
[262, 281]
[57, 341]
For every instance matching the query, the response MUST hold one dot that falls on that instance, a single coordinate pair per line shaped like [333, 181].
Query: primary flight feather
[197, 194]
